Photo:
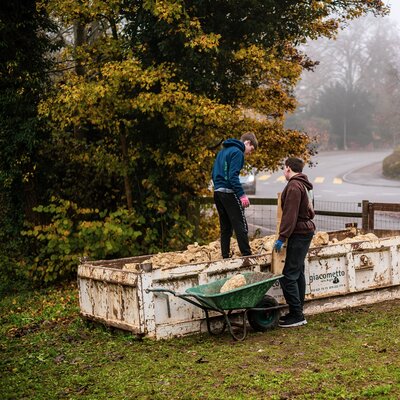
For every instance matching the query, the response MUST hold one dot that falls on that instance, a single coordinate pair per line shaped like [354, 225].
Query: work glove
[278, 245]
[245, 201]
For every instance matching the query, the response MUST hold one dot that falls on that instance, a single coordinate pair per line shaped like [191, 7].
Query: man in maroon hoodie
[297, 230]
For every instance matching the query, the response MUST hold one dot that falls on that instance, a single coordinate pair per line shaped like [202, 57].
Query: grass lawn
[49, 352]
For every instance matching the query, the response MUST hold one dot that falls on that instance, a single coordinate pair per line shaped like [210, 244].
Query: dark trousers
[293, 282]
[232, 218]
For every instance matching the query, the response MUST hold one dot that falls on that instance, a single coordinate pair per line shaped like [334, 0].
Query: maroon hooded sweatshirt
[296, 214]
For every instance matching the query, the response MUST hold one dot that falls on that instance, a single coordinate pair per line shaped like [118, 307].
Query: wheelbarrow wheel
[262, 320]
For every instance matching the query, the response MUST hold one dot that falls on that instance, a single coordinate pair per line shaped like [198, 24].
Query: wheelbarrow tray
[247, 296]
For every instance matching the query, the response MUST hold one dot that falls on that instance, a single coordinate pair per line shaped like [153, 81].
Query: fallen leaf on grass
[59, 359]
[368, 346]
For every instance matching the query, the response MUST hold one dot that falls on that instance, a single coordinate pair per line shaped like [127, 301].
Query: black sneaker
[292, 321]
[285, 317]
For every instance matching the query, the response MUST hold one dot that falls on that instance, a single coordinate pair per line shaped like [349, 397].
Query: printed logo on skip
[328, 281]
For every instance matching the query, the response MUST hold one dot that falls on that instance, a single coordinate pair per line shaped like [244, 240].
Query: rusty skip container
[337, 276]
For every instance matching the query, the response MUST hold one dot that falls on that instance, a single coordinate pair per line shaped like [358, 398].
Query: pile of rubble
[196, 253]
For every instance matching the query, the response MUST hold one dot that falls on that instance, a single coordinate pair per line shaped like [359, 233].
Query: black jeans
[293, 282]
[232, 218]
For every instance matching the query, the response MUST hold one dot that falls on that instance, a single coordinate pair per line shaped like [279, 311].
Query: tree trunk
[125, 162]
[31, 201]
[79, 40]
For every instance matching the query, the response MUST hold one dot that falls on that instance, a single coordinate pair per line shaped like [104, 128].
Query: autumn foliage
[145, 91]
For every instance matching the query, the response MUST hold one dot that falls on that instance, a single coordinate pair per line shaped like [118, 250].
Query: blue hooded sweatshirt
[227, 166]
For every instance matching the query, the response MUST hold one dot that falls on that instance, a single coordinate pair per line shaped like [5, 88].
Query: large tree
[349, 114]
[359, 70]
[159, 84]
[24, 69]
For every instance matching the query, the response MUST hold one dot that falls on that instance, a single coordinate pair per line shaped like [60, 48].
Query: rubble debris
[131, 267]
[320, 239]
[360, 238]
[235, 282]
[196, 253]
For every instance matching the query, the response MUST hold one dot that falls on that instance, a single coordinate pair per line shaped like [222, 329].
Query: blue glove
[278, 245]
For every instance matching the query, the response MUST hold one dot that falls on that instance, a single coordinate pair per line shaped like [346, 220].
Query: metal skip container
[114, 292]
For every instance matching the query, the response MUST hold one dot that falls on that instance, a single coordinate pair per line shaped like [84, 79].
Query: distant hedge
[391, 165]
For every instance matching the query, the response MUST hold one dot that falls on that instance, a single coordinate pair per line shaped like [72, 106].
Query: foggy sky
[395, 10]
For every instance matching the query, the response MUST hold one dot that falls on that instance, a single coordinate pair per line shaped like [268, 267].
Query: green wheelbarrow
[246, 303]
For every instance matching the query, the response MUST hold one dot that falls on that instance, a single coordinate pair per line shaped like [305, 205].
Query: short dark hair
[250, 136]
[295, 164]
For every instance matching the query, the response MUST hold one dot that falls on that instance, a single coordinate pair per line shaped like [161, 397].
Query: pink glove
[245, 201]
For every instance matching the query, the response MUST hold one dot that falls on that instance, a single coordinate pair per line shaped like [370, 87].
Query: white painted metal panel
[337, 276]
[110, 296]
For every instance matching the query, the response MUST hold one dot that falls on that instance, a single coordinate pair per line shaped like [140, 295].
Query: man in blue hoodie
[229, 196]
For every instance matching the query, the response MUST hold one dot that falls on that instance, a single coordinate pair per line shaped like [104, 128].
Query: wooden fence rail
[369, 210]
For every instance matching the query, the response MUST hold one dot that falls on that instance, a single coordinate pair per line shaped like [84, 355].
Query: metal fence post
[371, 216]
[365, 214]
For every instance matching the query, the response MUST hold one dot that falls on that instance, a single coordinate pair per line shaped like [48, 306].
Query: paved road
[340, 176]
[341, 181]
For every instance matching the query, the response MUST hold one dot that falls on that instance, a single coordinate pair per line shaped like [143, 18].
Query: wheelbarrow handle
[189, 297]
[162, 290]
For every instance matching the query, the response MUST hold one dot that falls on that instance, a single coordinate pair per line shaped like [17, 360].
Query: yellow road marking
[318, 179]
[264, 177]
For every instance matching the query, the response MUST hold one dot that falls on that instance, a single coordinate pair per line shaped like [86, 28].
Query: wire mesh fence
[330, 216]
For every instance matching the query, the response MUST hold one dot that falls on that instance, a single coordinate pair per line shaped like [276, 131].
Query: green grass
[49, 352]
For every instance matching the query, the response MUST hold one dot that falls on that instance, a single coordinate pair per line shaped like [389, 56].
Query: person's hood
[303, 179]
[234, 142]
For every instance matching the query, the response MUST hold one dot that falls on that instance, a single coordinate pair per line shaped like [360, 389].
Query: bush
[73, 233]
[208, 229]
[391, 165]
[53, 249]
